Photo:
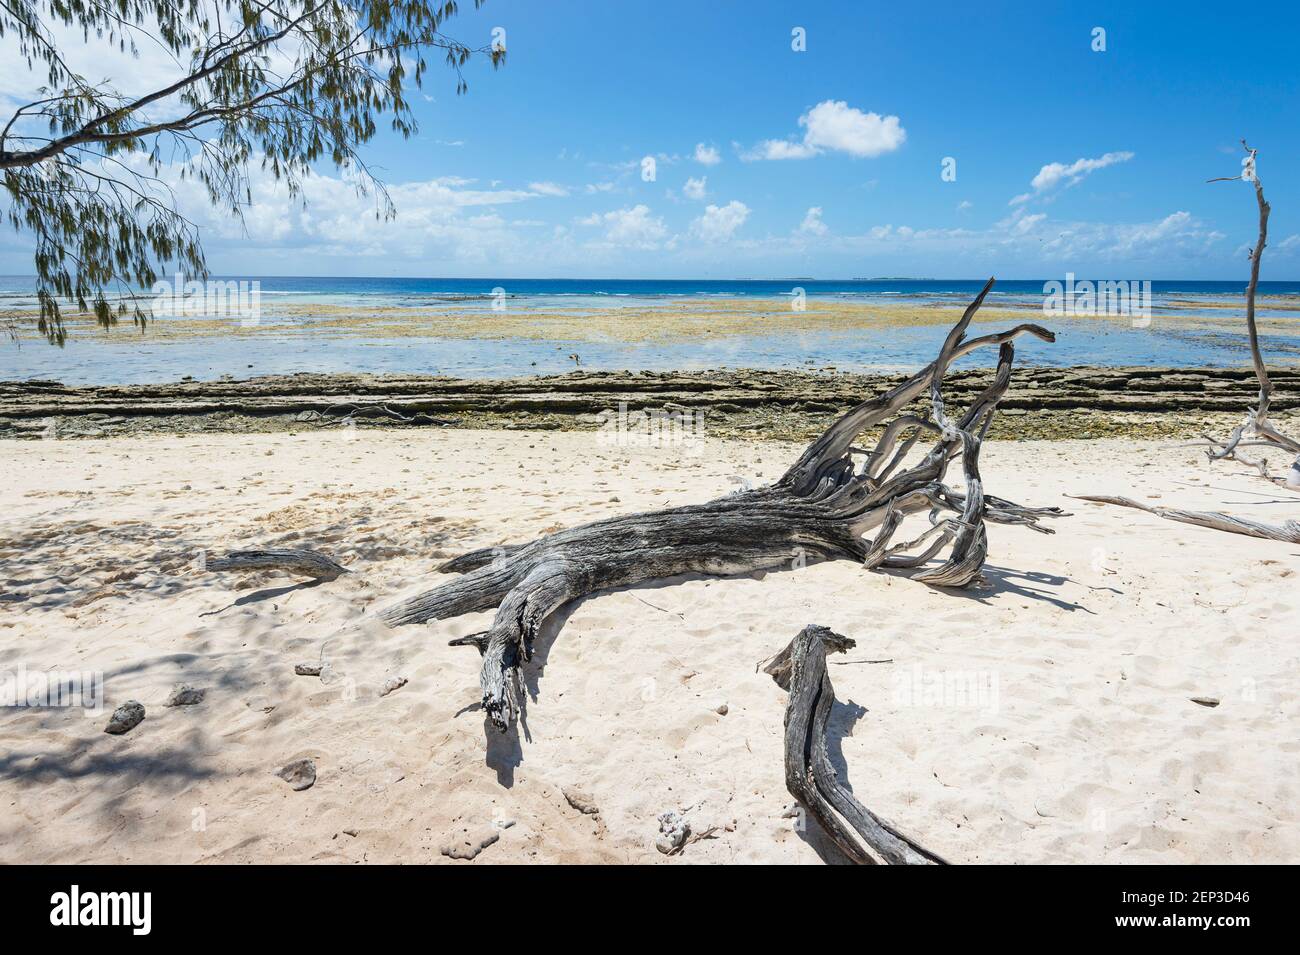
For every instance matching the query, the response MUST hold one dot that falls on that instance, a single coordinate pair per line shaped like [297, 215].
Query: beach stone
[467, 844]
[722, 709]
[391, 684]
[581, 801]
[185, 695]
[299, 774]
[673, 830]
[1209, 701]
[125, 718]
[307, 669]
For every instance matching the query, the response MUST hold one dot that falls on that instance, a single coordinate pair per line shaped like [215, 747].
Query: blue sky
[1066, 159]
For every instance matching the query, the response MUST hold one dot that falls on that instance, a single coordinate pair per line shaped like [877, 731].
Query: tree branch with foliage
[294, 84]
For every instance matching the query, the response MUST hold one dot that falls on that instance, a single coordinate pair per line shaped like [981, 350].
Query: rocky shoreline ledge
[1043, 403]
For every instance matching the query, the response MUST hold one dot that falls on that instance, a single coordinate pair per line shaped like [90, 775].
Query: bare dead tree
[1256, 430]
[822, 507]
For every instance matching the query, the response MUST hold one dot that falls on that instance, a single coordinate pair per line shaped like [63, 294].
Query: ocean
[1192, 322]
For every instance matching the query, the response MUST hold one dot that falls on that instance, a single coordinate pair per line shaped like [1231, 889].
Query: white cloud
[778, 149]
[635, 227]
[595, 187]
[695, 188]
[965, 205]
[719, 223]
[707, 155]
[812, 222]
[1124, 250]
[1054, 173]
[94, 57]
[548, 188]
[836, 126]
[1024, 224]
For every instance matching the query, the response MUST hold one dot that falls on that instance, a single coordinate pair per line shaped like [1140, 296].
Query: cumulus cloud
[1055, 173]
[835, 126]
[719, 223]
[99, 60]
[1024, 224]
[779, 149]
[812, 222]
[707, 155]
[695, 188]
[634, 227]
[1052, 246]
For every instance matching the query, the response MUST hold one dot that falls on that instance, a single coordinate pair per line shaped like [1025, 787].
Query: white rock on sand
[1048, 718]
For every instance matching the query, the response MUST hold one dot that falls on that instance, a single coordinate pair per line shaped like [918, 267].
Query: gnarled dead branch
[822, 507]
[866, 839]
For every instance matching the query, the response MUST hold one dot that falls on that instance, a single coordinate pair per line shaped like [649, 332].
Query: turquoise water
[433, 291]
[125, 356]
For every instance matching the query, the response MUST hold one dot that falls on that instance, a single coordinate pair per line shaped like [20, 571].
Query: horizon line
[779, 278]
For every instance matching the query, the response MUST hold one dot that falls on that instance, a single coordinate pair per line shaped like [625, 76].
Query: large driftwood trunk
[824, 506]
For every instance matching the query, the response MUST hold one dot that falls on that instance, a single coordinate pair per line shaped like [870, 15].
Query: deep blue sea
[123, 355]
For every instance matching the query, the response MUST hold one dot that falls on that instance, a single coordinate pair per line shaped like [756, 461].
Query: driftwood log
[822, 507]
[800, 669]
[308, 563]
[1256, 430]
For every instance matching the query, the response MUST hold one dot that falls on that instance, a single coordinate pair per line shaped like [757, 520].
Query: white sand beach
[1080, 743]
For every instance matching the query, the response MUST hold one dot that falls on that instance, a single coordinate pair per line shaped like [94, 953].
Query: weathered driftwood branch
[866, 839]
[1288, 533]
[308, 563]
[822, 507]
[1256, 424]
